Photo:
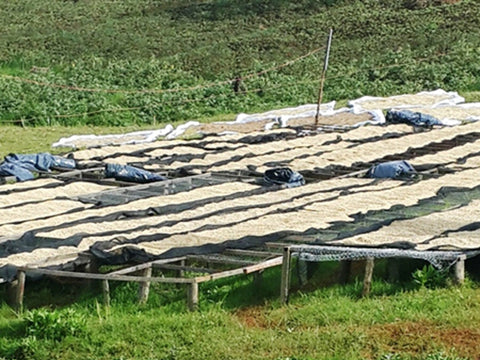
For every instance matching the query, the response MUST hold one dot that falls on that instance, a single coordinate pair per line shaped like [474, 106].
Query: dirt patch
[252, 317]
[420, 337]
[216, 128]
[340, 120]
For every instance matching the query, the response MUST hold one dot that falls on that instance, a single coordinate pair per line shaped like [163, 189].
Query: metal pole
[322, 79]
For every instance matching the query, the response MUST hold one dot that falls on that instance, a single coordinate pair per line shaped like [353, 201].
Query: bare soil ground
[340, 119]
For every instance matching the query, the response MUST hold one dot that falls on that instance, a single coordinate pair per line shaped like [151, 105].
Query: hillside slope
[147, 61]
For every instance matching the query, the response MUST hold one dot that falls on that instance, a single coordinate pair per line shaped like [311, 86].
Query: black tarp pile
[130, 173]
[23, 166]
[283, 176]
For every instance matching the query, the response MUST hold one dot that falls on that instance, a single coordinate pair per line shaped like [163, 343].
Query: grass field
[238, 321]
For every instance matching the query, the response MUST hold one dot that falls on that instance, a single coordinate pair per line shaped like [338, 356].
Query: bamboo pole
[322, 78]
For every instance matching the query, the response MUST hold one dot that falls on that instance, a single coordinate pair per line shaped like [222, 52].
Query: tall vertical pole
[285, 283]
[459, 275]
[192, 294]
[106, 293]
[144, 286]
[21, 276]
[367, 281]
[322, 79]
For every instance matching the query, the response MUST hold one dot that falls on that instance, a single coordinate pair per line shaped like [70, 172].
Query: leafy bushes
[41, 327]
[429, 277]
[53, 325]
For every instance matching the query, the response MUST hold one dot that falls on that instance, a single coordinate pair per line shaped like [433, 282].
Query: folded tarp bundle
[130, 173]
[283, 176]
[393, 169]
[22, 166]
[411, 118]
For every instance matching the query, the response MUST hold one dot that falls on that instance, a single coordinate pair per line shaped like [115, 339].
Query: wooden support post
[285, 285]
[367, 281]
[258, 279]
[459, 275]
[192, 300]
[181, 272]
[11, 293]
[106, 293]
[92, 268]
[393, 268]
[144, 286]
[302, 272]
[345, 268]
[21, 276]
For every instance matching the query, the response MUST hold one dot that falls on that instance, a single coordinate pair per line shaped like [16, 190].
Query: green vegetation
[186, 51]
[97, 64]
[15, 139]
[237, 320]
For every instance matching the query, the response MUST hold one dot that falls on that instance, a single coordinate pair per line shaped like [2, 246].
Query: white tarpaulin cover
[437, 101]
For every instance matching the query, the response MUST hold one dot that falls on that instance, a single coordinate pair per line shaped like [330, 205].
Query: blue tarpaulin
[392, 169]
[411, 118]
[22, 165]
[130, 173]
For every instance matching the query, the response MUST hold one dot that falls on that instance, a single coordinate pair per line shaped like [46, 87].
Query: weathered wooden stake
[92, 268]
[285, 285]
[180, 272]
[144, 289]
[367, 281]
[302, 271]
[193, 296]
[393, 268]
[459, 274]
[345, 268]
[258, 279]
[21, 276]
[106, 293]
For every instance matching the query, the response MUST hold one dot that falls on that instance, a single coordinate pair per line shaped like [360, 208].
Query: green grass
[379, 48]
[16, 139]
[236, 320]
